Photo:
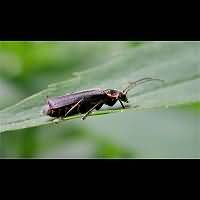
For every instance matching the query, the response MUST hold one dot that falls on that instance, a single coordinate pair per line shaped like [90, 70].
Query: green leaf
[177, 63]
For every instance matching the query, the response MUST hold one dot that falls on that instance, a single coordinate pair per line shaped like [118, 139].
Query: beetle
[86, 101]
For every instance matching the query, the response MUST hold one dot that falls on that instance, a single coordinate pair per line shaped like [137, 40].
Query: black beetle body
[85, 102]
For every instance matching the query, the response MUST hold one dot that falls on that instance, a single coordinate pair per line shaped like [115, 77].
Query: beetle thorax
[114, 94]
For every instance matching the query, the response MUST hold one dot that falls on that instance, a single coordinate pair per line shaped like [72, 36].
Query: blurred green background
[28, 67]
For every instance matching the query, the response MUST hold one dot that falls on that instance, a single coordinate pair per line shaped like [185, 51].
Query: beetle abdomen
[61, 112]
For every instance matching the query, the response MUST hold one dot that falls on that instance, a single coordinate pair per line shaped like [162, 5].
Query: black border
[101, 35]
[106, 32]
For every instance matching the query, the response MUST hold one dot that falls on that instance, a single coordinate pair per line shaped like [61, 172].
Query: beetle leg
[99, 106]
[73, 107]
[122, 104]
[89, 111]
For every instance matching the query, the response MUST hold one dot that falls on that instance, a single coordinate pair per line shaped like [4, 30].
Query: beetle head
[122, 96]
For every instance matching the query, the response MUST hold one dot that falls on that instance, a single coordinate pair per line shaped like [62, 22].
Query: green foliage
[175, 63]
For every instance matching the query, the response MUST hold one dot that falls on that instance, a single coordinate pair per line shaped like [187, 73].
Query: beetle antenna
[138, 82]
